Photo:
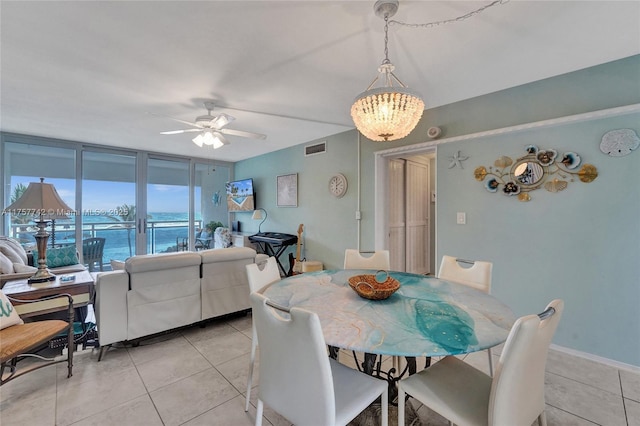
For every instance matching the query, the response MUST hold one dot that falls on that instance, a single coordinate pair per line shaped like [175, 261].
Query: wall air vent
[318, 148]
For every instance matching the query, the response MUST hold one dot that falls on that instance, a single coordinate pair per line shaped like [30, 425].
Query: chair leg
[250, 378]
[542, 419]
[401, 402]
[259, 409]
[103, 350]
[490, 362]
[385, 407]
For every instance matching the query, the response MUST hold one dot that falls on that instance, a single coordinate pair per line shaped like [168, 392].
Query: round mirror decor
[539, 168]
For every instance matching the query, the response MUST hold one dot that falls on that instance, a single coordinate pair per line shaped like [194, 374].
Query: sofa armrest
[111, 306]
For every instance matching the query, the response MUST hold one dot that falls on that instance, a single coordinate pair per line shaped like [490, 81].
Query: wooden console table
[81, 290]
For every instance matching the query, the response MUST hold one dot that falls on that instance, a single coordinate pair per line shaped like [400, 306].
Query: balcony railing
[162, 236]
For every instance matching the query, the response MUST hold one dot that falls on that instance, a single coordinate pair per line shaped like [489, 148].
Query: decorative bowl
[370, 287]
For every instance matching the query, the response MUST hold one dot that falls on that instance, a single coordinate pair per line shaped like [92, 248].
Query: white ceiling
[95, 71]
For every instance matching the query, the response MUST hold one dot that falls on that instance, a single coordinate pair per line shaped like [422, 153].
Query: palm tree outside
[127, 217]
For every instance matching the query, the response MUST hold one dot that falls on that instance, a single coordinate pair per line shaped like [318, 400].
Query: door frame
[381, 171]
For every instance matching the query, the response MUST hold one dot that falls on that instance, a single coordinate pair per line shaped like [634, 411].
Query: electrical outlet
[461, 218]
[358, 216]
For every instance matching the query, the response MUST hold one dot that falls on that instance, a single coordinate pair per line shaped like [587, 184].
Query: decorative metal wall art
[539, 168]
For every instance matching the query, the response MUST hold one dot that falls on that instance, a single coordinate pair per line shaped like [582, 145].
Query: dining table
[425, 317]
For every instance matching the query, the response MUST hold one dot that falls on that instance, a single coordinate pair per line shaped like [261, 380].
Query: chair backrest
[259, 278]
[92, 249]
[294, 365]
[517, 390]
[378, 260]
[477, 275]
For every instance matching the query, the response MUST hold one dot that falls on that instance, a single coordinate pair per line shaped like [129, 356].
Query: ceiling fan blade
[243, 134]
[175, 132]
[221, 120]
[188, 123]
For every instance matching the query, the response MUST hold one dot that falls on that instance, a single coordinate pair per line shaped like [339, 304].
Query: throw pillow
[59, 256]
[8, 315]
[16, 246]
[117, 265]
[6, 266]
[20, 268]
[11, 254]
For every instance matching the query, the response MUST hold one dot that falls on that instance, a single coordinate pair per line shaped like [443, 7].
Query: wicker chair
[19, 340]
[92, 250]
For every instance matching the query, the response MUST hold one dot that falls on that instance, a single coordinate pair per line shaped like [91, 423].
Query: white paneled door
[409, 239]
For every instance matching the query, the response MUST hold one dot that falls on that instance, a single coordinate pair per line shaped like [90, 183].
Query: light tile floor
[197, 376]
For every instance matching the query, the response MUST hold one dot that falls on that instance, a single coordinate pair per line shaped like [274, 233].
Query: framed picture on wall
[287, 187]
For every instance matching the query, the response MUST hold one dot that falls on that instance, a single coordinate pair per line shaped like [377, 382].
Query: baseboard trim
[595, 358]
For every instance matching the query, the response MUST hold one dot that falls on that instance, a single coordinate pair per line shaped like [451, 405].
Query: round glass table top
[425, 317]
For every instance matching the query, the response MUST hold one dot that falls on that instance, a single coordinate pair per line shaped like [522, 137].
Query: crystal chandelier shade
[389, 112]
[386, 114]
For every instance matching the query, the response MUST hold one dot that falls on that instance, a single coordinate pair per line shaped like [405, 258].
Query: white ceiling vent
[318, 148]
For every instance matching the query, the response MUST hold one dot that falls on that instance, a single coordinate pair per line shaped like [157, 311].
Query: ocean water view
[163, 229]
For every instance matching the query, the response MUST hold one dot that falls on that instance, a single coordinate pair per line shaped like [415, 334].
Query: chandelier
[389, 112]
[212, 138]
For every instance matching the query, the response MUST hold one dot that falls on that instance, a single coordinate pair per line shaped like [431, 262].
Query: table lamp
[257, 215]
[41, 200]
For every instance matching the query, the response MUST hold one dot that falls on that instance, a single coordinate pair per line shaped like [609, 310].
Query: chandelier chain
[386, 40]
[448, 21]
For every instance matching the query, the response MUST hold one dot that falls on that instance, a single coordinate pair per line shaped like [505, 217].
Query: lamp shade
[387, 113]
[40, 199]
[257, 215]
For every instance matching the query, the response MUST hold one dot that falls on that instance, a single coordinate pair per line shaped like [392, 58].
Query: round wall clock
[338, 185]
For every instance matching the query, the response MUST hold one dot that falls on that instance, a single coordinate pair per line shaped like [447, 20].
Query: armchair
[19, 338]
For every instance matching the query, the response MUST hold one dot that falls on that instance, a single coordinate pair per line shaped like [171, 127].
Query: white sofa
[160, 292]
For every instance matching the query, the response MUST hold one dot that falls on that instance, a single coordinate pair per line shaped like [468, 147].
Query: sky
[106, 196]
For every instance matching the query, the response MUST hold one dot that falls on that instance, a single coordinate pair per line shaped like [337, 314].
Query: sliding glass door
[25, 163]
[109, 202]
[166, 222]
[137, 201]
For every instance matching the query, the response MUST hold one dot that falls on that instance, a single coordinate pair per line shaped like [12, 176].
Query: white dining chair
[379, 259]
[474, 273]
[515, 394]
[257, 279]
[297, 378]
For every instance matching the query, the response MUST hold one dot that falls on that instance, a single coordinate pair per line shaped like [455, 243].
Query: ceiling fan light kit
[212, 128]
[210, 138]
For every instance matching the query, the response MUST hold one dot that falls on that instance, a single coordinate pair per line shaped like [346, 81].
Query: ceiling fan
[212, 128]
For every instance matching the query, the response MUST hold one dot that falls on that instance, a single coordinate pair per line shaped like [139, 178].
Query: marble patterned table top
[425, 317]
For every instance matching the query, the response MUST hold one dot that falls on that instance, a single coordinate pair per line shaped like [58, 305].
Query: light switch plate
[461, 218]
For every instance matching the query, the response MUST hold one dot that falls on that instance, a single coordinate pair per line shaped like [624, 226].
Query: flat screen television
[240, 196]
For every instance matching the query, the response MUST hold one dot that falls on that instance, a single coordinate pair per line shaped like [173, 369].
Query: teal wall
[581, 244]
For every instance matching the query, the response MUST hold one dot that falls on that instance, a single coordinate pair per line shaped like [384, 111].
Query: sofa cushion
[59, 256]
[161, 261]
[8, 315]
[15, 245]
[6, 266]
[20, 268]
[11, 254]
[231, 253]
